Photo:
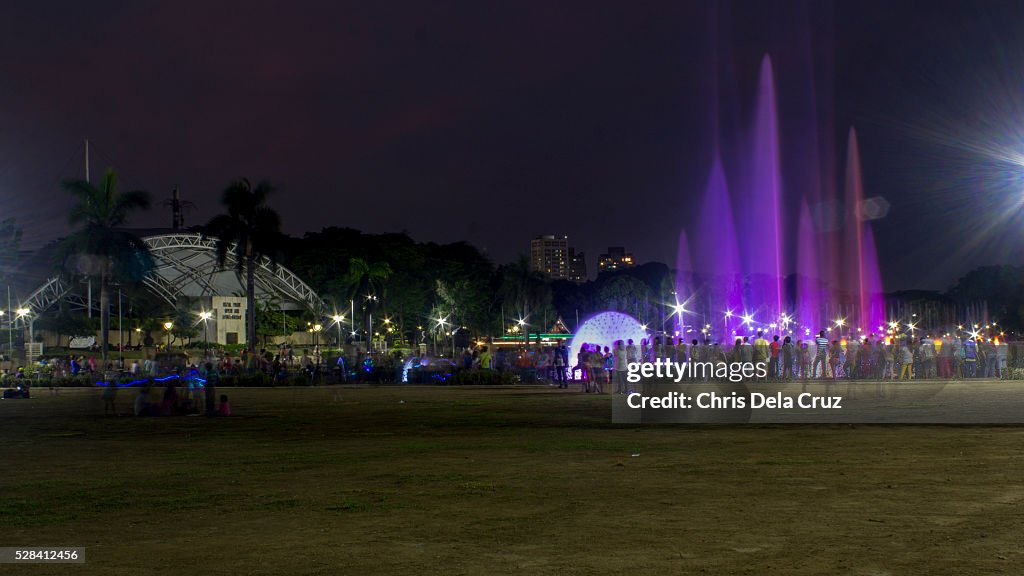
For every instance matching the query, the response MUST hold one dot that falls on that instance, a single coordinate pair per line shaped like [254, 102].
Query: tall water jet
[717, 257]
[811, 291]
[684, 284]
[863, 275]
[875, 314]
[763, 231]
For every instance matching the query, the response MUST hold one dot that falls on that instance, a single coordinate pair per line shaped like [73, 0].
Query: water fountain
[800, 263]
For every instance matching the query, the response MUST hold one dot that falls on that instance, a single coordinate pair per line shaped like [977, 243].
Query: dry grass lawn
[497, 481]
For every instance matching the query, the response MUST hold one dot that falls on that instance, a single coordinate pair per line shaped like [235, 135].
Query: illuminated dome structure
[604, 329]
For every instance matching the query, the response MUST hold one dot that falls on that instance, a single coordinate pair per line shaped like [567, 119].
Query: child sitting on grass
[225, 406]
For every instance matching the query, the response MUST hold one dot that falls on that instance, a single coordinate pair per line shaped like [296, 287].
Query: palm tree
[522, 290]
[10, 253]
[250, 230]
[101, 248]
[367, 279]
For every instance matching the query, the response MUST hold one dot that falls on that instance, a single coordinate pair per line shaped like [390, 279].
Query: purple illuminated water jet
[810, 290]
[684, 284]
[860, 244]
[717, 256]
[763, 236]
[806, 258]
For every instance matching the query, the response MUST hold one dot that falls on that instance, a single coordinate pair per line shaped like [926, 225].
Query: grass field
[496, 481]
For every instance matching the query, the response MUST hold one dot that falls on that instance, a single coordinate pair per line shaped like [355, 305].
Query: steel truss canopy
[185, 265]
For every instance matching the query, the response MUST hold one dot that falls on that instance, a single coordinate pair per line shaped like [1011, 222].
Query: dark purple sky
[497, 121]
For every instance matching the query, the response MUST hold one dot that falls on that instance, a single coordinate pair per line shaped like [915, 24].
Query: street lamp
[441, 323]
[369, 328]
[205, 317]
[316, 344]
[338, 319]
[21, 314]
[168, 326]
[315, 329]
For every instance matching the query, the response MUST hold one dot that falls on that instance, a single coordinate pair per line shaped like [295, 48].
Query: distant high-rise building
[550, 255]
[577, 266]
[615, 259]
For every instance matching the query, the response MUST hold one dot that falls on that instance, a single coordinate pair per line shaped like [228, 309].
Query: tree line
[413, 289]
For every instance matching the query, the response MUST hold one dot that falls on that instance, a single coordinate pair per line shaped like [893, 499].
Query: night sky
[494, 122]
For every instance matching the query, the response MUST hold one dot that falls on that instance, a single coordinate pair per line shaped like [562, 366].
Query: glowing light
[728, 313]
[168, 325]
[604, 329]
[22, 312]
[841, 322]
[205, 315]
[748, 319]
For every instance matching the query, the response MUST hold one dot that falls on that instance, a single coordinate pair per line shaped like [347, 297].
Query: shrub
[483, 378]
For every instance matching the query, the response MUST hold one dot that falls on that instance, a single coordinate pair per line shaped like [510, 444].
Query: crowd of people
[198, 395]
[595, 368]
[878, 358]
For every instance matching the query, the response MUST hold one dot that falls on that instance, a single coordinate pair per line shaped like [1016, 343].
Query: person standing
[775, 349]
[970, 358]
[558, 361]
[682, 354]
[596, 369]
[747, 350]
[820, 355]
[632, 354]
[760, 348]
[787, 358]
[110, 398]
[890, 361]
[620, 368]
[880, 359]
[852, 364]
[906, 362]
[834, 357]
[210, 387]
[805, 359]
[927, 357]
